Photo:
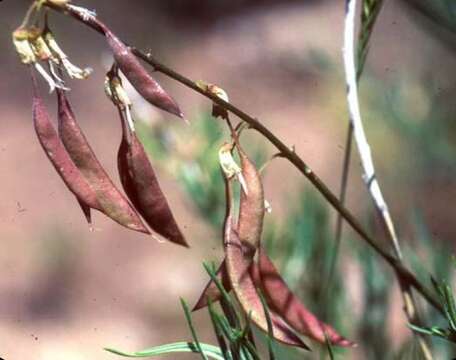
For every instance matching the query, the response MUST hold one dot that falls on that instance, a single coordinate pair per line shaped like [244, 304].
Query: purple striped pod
[58, 155]
[112, 202]
[285, 303]
[141, 185]
[139, 78]
[237, 266]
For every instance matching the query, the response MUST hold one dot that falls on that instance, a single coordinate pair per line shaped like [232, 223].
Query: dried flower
[61, 58]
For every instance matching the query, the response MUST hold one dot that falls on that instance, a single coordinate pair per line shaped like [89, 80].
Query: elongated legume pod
[243, 287]
[111, 200]
[57, 154]
[281, 299]
[249, 228]
[251, 206]
[141, 185]
[139, 78]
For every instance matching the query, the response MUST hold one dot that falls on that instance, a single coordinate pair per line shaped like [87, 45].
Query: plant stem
[28, 15]
[367, 163]
[287, 152]
[339, 222]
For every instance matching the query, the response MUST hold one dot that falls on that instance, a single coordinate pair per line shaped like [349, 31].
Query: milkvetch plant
[247, 271]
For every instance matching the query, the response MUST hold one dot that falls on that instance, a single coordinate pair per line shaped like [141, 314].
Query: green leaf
[329, 347]
[188, 316]
[218, 330]
[208, 350]
[270, 329]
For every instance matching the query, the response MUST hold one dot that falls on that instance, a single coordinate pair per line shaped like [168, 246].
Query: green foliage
[369, 14]
[209, 351]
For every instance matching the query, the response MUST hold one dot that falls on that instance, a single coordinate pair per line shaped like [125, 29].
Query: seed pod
[86, 211]
[139, 78]
[250, 223]
[281, 299]
[211, 291]
[242, 284]
[112, 202]
[142, 187]
[251, 206]
[57, 154]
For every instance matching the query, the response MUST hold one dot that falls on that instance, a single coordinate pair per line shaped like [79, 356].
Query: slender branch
[342, 195]
[369, 14]
[369, 176]
[287, 152]
[364, 150]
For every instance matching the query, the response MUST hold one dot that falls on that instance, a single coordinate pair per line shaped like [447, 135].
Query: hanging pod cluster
[68, 149]
[246, 277]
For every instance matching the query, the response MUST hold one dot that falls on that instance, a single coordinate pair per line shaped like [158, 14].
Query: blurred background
[67, 292]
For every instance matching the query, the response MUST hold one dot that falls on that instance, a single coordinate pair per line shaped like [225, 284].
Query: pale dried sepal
[49, 79]
[72, 70]
[23, 46]
[131, 124]
[41, 49]
[115, 91]
[229, 166]
[267, 206]
[75, 72]
[217, 110]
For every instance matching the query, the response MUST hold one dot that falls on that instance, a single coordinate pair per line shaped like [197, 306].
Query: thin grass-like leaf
[270, 330]
[208, 350]
[218, 331]
[227, 304]
[188, 316]
[329, 347]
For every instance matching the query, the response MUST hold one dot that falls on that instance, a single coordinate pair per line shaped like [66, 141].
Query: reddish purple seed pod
[285, 303]
[251, 206]
[211, 291]
[249, 228]
[141, 185]
[86, 211]
[111, 200]
[58, 156]
[139, 78]
[237, 266]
